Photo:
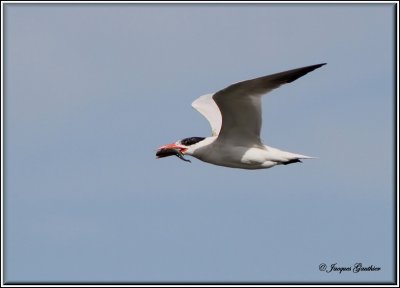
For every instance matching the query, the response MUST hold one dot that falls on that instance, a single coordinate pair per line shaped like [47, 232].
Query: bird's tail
[292, 156]
[296, 158]
[299, 156]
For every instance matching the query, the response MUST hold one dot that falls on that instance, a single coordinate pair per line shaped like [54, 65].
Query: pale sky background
[92, 90]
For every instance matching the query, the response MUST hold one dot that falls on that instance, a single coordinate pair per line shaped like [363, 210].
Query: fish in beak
[172, 150]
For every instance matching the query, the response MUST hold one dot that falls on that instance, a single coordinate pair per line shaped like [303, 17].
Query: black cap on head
[191, 140]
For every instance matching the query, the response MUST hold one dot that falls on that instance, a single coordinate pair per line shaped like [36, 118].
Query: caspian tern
[234, 114]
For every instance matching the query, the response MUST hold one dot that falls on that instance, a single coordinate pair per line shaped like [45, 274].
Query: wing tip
[319, 65]
[316, 66]
[300, 72]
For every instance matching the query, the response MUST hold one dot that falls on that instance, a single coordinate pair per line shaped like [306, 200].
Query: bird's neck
[200, 145]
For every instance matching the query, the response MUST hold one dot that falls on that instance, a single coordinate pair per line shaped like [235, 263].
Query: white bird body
[210, 151]
[235, 117]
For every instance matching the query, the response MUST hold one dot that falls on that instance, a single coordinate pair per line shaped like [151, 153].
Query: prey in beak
[170, 150]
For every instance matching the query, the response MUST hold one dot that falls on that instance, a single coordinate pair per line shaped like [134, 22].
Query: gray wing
[240, 105]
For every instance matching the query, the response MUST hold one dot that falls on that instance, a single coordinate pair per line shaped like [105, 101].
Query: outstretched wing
[240, 106]
[209, 109]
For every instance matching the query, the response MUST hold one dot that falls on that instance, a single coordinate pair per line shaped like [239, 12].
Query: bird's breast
[235, 156]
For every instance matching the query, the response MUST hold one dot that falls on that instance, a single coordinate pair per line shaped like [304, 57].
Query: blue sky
[92, 90]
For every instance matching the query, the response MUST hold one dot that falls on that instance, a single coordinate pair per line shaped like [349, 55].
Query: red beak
[170, 150]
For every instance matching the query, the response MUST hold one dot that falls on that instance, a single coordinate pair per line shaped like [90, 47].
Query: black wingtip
[292, 161]
[316, 66]
[292, 75]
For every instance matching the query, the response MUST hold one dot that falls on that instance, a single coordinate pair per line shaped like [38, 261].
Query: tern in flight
[234, 114]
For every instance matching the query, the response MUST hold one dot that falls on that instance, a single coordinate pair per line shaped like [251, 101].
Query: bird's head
[178, 148]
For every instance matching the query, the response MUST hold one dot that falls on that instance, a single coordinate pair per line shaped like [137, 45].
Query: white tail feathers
[306, 157]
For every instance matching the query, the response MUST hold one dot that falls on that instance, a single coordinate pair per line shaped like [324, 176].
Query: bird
[235, 116]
